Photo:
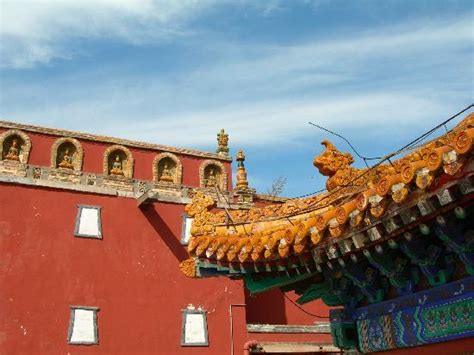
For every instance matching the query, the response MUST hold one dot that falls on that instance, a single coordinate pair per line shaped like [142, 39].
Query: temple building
[94, 234]
[389, 248]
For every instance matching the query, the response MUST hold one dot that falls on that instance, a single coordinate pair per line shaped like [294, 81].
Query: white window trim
[188, 219]
[183, 330]
[78, 221]
[71, 326]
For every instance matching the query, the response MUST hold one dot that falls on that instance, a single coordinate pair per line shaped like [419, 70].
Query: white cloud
[268, 93]
[38, 31]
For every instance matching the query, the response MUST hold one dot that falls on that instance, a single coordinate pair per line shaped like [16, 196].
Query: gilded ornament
[315, 236]
[400, 194]
[188, 267]
[454, 167]
[202, 245]
[166, 174]
[356, 219]
[13, 151]
[424, 180]
[341, 215]
[222, 142]
[383, 186]
[379, 209]
[298, 248]
[117, 168]
[464, 140]
[67, 160]
[242, 182]
[362, 201]
[336, 230]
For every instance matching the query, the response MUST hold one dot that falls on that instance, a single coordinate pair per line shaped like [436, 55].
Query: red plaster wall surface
[132, 275]
[94, 154]
[284, 311]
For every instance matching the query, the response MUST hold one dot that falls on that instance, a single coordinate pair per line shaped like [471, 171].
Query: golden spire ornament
[222, 143]
[242, 183]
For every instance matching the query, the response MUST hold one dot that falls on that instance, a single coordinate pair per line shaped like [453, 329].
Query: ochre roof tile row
[279, 231]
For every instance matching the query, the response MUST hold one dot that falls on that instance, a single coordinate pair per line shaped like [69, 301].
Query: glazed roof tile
[354, 198]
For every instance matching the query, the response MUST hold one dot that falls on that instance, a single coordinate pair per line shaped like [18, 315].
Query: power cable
[304, 310]
[408, 146]
[348, 142]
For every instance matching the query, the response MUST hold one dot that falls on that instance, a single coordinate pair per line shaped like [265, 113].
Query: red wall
[284, 311]
[94, 154]
[132, 274]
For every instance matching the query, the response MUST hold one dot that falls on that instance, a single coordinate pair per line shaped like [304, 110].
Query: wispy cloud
[38, 31]
[270, 92]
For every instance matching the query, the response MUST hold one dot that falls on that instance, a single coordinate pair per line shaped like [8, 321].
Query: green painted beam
[269, 283]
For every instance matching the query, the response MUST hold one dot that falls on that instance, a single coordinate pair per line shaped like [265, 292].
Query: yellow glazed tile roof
[278, 231]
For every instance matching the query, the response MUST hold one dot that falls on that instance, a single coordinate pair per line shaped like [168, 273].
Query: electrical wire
[409, 146]
[304, 310]
[348, 142]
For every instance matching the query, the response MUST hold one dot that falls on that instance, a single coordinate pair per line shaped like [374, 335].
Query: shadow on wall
[165, 233]
[266, 308]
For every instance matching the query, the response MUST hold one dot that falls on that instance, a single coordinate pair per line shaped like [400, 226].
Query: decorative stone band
[112, 140]
[297, 226]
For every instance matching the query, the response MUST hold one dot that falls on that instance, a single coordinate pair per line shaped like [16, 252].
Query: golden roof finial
[222, 143]
[242, 182]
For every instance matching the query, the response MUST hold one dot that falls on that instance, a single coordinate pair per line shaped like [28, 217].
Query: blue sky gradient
[175, 72]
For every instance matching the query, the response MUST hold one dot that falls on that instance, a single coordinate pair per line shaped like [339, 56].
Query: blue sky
[175, 72]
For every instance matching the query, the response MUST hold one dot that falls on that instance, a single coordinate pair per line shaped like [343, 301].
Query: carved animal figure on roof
[337, 166]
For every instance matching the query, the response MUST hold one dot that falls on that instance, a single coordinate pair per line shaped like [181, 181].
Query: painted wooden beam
[319, 328]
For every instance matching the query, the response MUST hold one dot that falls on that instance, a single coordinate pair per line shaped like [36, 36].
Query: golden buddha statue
[117, 166]
[13, 151]
[211, 179]
[66, 163]
[166, 175]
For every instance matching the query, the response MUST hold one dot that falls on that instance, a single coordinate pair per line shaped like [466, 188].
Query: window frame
[185, 313]
[78, 222]
[185, 218]
[71, 325]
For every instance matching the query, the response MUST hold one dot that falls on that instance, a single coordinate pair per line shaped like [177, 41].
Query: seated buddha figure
[13, 151]
[117, 166]
[67, 161]
[211, 179]
[166, 175]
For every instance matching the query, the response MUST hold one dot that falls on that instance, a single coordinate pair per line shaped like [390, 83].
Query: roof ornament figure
[242, 182]
[243, 192]
[222, 143]
[336, 165]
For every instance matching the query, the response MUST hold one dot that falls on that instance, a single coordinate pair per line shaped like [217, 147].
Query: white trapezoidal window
[194, 332]
[88, 223]
[83, 326]
[186, 229]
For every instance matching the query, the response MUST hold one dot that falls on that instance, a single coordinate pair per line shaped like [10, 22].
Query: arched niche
[67, 153]
[118, 162]
[15, 146]
[212, 173]
[167, 168]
